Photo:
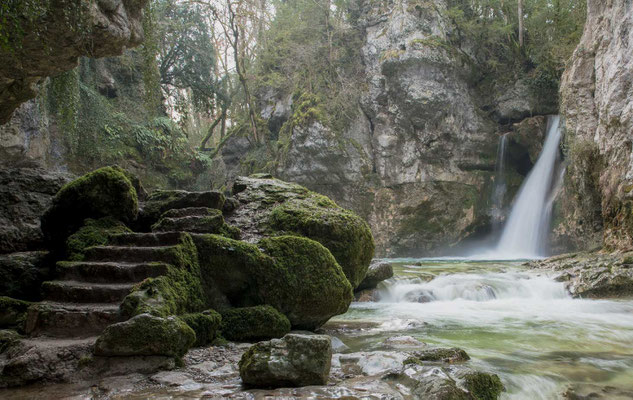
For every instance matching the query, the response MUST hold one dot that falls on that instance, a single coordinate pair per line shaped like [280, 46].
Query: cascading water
[499, 190]
[526, 230]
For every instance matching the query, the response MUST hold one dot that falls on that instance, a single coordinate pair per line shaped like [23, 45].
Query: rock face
[597, 106]
[25, 193]
[23, 274]
[417, 161]
[294, 360]
[47, 38]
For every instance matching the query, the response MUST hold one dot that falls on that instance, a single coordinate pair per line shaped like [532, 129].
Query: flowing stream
[512, 322]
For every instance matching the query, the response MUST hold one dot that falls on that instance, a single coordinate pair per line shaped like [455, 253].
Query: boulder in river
[377, 272]
[294, 360]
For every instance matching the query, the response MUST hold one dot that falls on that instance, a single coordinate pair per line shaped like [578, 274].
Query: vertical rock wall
[597, 105]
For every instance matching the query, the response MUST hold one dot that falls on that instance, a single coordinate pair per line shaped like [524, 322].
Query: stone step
[85, 292]
[70, 320]
[146, 239]
[132, 254]
[191, 212]
[195, 224]
[109, 272]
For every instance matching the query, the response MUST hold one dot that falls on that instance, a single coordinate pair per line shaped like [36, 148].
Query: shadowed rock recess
[137, 283]
[46, 37]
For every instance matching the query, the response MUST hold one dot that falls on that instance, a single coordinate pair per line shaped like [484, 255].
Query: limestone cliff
[43, 38]
[418, 160]
[597, 105]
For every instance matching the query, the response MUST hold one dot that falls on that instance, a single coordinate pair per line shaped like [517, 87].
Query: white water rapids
[523, 326]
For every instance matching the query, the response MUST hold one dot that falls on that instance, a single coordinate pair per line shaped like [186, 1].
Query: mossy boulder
[270, 207]
[205, 324]
[146, 335]
[93, 233]
[483, 386]
[254, 323]
[179, 291]
[13, 312]
[294, 360]
[295, 275]
[8, 337]
[106, 192]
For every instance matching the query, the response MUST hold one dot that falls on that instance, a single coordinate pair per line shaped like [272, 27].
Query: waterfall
[499, 189]
[527, 228]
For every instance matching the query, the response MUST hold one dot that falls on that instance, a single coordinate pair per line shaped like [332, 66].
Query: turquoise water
[511, 321]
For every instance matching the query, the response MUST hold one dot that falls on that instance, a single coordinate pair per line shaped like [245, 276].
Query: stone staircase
[191, 219]
[85, 297]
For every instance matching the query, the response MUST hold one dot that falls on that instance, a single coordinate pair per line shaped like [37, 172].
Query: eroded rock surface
[46, 38]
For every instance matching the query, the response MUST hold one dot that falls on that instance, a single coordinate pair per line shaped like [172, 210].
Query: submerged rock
[254, 323]
[376, 273]
[294, 360]
[146, 335]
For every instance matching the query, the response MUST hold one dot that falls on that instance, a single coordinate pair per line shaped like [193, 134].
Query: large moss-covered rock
[294, 360]
[106, 192]
[23, 273]
[205, 324]
[146, 335]
[93, 233]
[272, 207]
[254, 323]
[296, 275]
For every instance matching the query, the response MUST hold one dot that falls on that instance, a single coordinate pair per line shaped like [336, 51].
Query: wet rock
[367, 295]
[270, 206]
[595, 392]
[23, 274]
[294, 360]
[254, 323]
[146, 335]
[25, 194]
[338, 346]
[106, 192]
[401, 342]
[451, 355]
[592, 275]
[376, 273]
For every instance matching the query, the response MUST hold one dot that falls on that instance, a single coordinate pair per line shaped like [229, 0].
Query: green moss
[205, 324]
[13, 312]
[295, 275]
[254, 323]
[483, 386]
[178, 292]
[305, 282]
[341, 231]
[146, 335]
[93, 233]
[106, 192]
